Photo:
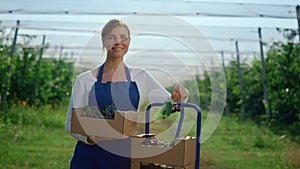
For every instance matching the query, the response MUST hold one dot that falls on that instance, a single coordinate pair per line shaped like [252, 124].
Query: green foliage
[252, 88]
[283, 81]
[25, 77]
[5, 61]
[233, 91]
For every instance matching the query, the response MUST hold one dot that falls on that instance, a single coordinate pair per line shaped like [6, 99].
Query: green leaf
[165, 110]
[158, 113]
[168, 109]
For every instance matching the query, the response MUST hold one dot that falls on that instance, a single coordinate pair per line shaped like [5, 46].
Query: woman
[113, 83]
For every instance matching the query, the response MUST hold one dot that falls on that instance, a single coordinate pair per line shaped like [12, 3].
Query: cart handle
[182, 106]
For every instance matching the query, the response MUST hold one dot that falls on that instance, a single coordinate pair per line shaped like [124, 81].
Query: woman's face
[117, 42]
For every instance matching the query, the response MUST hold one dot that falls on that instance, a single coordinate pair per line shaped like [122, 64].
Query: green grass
[238, 144]
[245, 145]
[35, 138]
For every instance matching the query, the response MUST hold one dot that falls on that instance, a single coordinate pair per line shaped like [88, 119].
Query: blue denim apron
[125, 96]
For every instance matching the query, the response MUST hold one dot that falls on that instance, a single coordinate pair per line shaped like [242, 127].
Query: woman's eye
[110, 38]
[121, 38]
[124, 37]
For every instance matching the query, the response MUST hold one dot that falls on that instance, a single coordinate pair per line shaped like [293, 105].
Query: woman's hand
[179, 92]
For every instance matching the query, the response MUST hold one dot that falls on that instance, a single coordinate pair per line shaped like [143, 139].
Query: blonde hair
[111, 24]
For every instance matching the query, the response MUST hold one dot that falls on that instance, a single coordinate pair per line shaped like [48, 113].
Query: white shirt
[149, 89]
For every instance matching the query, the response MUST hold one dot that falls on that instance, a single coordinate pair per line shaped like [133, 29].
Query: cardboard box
[123, 125]
[183, 154]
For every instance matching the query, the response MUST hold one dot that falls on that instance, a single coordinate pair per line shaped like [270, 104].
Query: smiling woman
[116, 86]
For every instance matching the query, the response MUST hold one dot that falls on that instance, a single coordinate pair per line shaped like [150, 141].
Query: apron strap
[127, 73]
[99, 78]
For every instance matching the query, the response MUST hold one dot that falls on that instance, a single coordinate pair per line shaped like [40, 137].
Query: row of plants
[25, 77]
[28, 77]
[283, 87]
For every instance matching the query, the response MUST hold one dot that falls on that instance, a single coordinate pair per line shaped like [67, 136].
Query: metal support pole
[223, 64]
[298, 19]
[42, 48]
[240, 78]
[264, 76]
[61, 52]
